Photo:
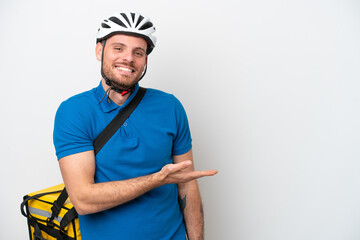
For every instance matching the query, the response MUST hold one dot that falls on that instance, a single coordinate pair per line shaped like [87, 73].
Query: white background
[270, 88]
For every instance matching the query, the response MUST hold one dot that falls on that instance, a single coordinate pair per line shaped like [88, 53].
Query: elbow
[81, 204]
[82, 211]
[83, 208]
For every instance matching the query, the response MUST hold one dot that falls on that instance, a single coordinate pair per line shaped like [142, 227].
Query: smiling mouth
[125, 69]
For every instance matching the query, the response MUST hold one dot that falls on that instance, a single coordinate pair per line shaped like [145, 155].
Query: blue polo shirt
[156, 130]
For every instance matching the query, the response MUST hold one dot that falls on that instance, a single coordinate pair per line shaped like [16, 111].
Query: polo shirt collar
[110, 106]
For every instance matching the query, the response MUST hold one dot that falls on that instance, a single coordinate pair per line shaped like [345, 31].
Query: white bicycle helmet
[129, 23]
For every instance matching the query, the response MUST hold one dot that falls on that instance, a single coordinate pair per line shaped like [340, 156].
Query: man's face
[124, 59]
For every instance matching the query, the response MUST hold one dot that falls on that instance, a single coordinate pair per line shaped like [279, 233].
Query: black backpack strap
[118, 121]
[58, 203]
[68, 217]
[37, 232]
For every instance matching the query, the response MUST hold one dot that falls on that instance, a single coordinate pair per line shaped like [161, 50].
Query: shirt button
[125, 124]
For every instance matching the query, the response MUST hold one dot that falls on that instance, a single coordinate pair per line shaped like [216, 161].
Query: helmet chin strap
[108, 82]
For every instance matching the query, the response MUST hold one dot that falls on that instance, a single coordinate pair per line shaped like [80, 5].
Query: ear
[98, 51]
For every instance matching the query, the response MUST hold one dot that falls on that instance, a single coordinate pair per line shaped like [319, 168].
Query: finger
[198, 174]
[206, 173]
[181, 165]
[173, 168]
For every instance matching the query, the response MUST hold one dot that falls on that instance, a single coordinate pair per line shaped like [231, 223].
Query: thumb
[176, 167]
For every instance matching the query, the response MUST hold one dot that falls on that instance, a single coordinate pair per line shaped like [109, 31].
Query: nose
[128, 56]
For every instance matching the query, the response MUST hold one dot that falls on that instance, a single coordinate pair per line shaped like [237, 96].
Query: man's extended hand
[182, 173]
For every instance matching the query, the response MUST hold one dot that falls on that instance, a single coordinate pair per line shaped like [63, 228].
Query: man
[129, 190]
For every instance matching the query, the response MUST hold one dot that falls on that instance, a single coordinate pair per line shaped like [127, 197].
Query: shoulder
[77, 112]
[164, 104]
[158, 93]
[81, 99]
[79, 103]
[164, 98]
[73, 125]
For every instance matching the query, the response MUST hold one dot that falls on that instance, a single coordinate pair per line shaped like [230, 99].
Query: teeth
[124, 69]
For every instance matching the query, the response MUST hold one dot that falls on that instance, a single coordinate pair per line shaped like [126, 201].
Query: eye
[118, 48]
[139, 54]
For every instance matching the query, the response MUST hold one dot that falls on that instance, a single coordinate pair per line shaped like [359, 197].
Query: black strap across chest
[118, 121]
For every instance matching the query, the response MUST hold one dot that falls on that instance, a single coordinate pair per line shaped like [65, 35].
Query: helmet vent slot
[146, 26]
[117, 21]
[104, 25]
[133, 16]
[139, 20]
[126, 18]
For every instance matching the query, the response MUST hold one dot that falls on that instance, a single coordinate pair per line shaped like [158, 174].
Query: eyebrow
[121, 44]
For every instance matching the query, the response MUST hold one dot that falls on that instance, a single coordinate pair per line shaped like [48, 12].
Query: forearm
[96, 197]
[193, 210]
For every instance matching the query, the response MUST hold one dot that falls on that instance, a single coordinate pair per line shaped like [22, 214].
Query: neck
[116, 97]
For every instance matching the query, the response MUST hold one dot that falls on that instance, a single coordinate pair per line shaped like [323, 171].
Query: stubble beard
[122, 82]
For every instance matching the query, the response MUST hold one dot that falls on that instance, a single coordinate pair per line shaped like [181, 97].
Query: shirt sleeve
[182, 142]
[70, 134]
